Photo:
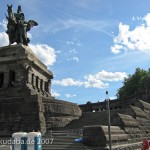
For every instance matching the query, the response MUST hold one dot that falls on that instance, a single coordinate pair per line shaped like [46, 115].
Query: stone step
[70, 147]
[61, 136]
[63, 139]
[59, 131]
[135, 146]
[66, 148]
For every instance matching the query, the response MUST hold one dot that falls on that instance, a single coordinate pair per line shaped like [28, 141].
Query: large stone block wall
[59, 113]
[92, 118]
[21, 114]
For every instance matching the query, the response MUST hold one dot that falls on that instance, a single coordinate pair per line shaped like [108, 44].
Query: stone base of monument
[26, 103]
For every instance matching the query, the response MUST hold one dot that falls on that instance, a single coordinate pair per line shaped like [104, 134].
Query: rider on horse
[18, 27]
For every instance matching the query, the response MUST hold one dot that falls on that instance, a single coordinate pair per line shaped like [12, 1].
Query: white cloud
[70, 42]
[3, 24]
[73, 58]
[136, 39]
[44, 52]
[55, 93]
[95, 81]
[116, 48]
[29, 35]
[87, 83]
[112, 97]
[147, 19]
[58, 52]
[69, 95]
[106, 76]
[133, 18]
[74, 51]
[4, 41]
[67, 82]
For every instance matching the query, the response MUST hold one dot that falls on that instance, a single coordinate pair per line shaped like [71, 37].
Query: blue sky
[89, 45]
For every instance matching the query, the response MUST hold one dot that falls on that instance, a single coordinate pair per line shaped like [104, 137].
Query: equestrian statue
[17, 27]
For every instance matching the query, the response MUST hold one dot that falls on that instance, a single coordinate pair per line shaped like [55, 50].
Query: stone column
[41, 85]
[33, 81]
[39, 82]
[43, 88]
[29, 77]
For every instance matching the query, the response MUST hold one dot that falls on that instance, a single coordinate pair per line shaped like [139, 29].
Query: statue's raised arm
[17, 27]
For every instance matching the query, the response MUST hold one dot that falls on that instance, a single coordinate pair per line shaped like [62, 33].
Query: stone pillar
[29, 77]
[48, 86]
[33, 81]
[43, 88]
[39, 82]
[41, 85]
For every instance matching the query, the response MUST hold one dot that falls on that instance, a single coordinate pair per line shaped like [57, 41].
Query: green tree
[134, 84]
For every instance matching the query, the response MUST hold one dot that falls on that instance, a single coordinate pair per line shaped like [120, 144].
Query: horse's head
[9, 8]
[10, 13]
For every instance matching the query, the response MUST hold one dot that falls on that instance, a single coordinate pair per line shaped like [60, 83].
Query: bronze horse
[17, 27]
[11, 26]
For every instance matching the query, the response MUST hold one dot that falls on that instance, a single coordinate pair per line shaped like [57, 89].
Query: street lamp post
[108, 116]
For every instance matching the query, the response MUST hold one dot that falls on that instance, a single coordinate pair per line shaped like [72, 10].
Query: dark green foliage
[134, 84]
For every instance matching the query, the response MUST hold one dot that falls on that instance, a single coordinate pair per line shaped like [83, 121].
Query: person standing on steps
[145, 144]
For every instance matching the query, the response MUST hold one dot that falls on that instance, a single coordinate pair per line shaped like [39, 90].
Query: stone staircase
[58, 140]
[91, 118]
[62, 140]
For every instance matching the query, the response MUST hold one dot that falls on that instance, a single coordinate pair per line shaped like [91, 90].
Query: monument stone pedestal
[25, 100]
